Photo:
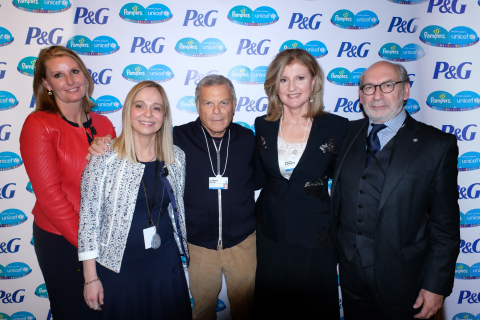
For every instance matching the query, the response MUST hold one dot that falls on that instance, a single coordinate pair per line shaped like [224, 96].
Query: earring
[311, 98]
[50, 92]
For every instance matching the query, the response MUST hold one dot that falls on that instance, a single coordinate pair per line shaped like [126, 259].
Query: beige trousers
[238, 264]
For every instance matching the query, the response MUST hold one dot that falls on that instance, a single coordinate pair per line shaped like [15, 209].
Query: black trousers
[62, 272]
[295, 283]
[360, 297]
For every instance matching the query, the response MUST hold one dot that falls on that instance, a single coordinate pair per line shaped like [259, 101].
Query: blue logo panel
[394, 52]
[470, 219]
[157, 73]
[316, 48]
[475, 270]
[246, 125]
[458, 37]
[464, 316]
[240, 74]
[348, 20]
[22, 315]
[261, 16]
[14, 270]
[469, 161]
[42, 6]
[9, 161]
[160, 73]
[26, 66]
[187, 104]
[292, 44]
[100, 46]
[7, 101]
[29, 187]
[106, 104]
[412, 106]
[157, 13]
[258, 75]
[154, 13]
[409, 1]
[135, 73]
[467, 100]
[441, 100]
[12, 217]
[41, 291]
[5, 37]
[211, 47]
[344, 77]
[462, 271]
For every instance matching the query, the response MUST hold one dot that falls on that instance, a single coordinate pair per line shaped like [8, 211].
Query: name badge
[147, 236]
[218, 182]
[290, 165]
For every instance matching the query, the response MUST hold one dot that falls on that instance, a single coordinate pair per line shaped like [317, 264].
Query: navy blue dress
[151, 283]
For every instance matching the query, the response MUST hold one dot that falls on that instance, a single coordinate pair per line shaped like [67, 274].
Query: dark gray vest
[360, 192]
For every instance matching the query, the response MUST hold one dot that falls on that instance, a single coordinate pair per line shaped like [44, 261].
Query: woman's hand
[93, 295]
[98, 146]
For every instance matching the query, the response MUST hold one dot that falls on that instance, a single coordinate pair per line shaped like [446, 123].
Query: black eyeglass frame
[379, 85]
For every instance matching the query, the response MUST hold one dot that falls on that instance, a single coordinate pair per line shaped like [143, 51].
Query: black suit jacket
[301, 204]
[417, 225]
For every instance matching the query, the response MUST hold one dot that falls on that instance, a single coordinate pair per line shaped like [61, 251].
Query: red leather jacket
[53, 152]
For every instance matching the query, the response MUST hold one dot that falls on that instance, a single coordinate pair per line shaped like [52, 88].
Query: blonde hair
[124, 144]
[272, 82]
[45, 102]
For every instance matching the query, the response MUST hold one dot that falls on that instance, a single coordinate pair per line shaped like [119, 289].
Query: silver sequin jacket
[109, 189]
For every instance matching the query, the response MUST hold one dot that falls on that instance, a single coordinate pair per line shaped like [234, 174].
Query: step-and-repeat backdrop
[177, 43]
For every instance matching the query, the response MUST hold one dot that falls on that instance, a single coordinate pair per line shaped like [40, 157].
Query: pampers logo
[316, 48]
[29, 187]
[187, 104]
[98, 47]
[469, 161]
[246, 125]
[464, 316]
[456, 38]
[154, 13]
[14, 270]
[242, 74]
[394, 52]
[9, 160]
[42, 6]
[26, 66]
[348, 20]
[22, 315]
[137, 72]
[470, 219]
[408, 2]
[246, 17]
[444, 101]
[41, 291]
[106, 104]
[12, 217]
[464, 272]
[412, 106]
[7, 101]
[343, 77]
[5, 37]
[193, 48]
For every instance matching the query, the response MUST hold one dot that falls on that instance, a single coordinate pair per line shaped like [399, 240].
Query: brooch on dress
[330, 146]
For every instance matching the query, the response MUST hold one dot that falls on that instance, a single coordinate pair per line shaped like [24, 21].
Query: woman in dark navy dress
[132, 228]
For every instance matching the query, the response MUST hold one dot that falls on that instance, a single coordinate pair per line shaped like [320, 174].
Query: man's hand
[431, 302]
[98, 146]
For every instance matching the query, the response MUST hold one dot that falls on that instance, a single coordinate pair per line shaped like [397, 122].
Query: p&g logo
[252, 47]
[187, 104]
[90, 17]
[101, 45]
[26, 66]
[316, 48]
[348, 106]
[444, 101]
[444, 67]
[15, 297]
[9, 160]
[14, 270]
[196, 76]
[394, 52]
[41, 291]
[470, 219]
[305, 22]
[456, 38]
[12, 217]
[5, 193]
[469, 161]
[445, 8]
[2, 72]
[472, 192]
[461, 134]
[98, 77]
[353, 51]
[106, 104]
[403, 26]
[469, 247]
[244, 75]
[7, 101]
[154, 13]
[4, 135]
[199, 20]
[348, 20]
[43, 37]
[147, 46]
[137, 73]
[243, 15]
[193, 48]
[9, 247]
[252, 105]
[42, 6]
[344, 77]
[5, 37]
[469, 296]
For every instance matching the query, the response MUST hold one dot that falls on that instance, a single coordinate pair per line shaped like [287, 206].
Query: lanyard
[147, 197]
[218, 150]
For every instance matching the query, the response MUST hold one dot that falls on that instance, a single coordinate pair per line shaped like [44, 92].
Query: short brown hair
[272, 82]
[45, 102]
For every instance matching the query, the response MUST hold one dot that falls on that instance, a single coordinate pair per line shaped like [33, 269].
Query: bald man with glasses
[394, 206]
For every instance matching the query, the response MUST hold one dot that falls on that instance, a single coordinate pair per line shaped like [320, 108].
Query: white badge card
[290, 165]
[147, 236]
[218, 182]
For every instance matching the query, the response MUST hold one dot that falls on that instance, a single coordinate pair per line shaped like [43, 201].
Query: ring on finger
[95, 306]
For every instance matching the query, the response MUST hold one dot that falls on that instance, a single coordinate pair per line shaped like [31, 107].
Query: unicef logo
[106, 104]
[12, 217]
[348, 20]
[5, 37]
[9, 160]
[21, 216]
[11, 100]
[343, 77]
[462, 101]
[99, 46]
[470, 219]
[412, 106]
[243, 15]
[14, 270]
[316, 48]
[22, 315]
[154, 13]
[244, 75]
[42, 6]
[193, 48]
[469, 161]
[113, 45]
[7, 101]
[457, 37]
[137, 73]
[477, 100]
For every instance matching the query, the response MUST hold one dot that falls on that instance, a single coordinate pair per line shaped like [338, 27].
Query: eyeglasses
[386, 87]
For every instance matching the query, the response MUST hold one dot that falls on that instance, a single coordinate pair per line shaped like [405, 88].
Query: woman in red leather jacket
[53, 145]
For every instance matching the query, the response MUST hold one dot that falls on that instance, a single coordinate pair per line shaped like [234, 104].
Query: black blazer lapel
[318, 133]
[270, 137]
